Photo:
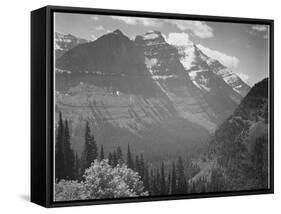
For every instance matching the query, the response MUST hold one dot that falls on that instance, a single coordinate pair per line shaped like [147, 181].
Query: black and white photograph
[151, 107]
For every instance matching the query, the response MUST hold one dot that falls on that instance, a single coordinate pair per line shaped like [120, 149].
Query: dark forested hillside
[240, 145]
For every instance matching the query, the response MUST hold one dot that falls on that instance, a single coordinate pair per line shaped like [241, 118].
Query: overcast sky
[242, 47]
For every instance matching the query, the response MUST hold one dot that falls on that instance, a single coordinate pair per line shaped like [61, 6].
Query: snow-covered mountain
[183, 73]
[233, 80]
[196, 62]
[143, 91]
[65, 42]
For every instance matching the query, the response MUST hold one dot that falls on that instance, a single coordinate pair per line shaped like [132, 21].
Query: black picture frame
[42, 103]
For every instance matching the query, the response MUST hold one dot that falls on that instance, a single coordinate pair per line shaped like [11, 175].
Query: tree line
[168, 179]
[68, 165]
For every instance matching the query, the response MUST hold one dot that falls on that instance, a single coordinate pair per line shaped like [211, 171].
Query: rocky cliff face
[190, 80]
[162, 99]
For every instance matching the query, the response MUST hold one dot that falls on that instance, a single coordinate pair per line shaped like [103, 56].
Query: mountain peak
[150, 38]
[153, 32]
[152, 35]
[65, 42]
[118, 32]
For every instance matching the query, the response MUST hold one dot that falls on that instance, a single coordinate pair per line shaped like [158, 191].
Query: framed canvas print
[141, 106]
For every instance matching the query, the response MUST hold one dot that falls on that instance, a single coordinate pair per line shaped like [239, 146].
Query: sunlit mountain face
[163, 99]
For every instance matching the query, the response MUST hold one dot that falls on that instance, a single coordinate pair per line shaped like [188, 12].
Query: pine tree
[216, 183]
[141, 166]
[153, 183]
[185, 185]
[169, 183]
[76, 167]
[90, 150]
[158, 182]
[193, 190]
[202, 185]
[163, 181]
[174, 180]
[114, 159]
[259, 159]
[68, 153]
[59, 150]
[101, 153]
[181, 186]
[119, 155]
[80, 169]
[110, 162]
[130, 162]
[146, 182]
[137, 164]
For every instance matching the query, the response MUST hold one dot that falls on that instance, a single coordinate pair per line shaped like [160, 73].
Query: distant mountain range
[64, 43]
[162, 99]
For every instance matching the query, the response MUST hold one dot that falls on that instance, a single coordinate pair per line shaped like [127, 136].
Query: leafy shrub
[102, 181]
[68, 190]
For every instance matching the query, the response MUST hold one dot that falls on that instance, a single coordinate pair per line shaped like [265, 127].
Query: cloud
[198, 28]
[178, 39]
[93, 37]
[229, 61]
[100, 28]
[135, 20]
[259, 28]
[243, 76]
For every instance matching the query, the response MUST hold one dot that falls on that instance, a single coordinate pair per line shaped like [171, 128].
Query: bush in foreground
[101, 181]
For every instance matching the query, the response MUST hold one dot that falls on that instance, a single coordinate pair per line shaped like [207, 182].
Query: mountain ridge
[65, 42]
[156, 37]
[139, 90]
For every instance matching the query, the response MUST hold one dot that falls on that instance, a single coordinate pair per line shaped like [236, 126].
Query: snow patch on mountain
[201, 86]
[164, 77]
[228, 76]
[150, 36]
[57, 47]
[62, 71]
[150, 63]
[193, 74]
[187, 56]
[233, 80]
[229, 61]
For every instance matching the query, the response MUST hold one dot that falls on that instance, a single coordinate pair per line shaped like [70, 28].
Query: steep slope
[183, 74]
[107, 83]
[231, 78]
[142, 93]
[115, 61]
[239, 147]
[104, 54]
[64, 43]
[198, 63]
